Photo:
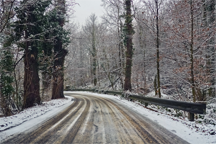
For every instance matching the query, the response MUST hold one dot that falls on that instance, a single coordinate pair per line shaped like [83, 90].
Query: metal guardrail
[113, 92]
[192, 108]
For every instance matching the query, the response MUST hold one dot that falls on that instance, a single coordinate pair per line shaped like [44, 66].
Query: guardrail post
[191, 116]
[146, 104]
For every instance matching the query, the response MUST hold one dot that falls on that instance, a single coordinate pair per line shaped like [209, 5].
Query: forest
[172, 51]
[142, 46]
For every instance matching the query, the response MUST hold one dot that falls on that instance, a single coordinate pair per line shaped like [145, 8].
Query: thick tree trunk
[59, 56]
[129, 45]
[31, 77]
[58, 74]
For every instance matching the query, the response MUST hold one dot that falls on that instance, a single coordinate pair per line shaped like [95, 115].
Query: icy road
[93, 119]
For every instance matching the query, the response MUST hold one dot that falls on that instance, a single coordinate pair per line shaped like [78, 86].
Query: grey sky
[85, 9]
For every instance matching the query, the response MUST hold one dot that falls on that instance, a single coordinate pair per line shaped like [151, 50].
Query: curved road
[92, 119]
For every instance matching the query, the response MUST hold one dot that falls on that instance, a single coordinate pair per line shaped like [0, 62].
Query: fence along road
[92, 119]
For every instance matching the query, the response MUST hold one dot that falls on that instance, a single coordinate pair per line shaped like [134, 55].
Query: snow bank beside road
[32, 116]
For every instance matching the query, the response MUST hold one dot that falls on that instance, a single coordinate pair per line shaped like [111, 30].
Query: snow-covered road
[97, 118]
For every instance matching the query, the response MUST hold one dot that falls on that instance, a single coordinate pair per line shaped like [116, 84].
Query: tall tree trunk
[59, 56]
[122, 57]
[144, 71]
[191, 53]
[120, 46]
[31, 77]
[81, 64]
[129, 45]
[157, 45]
[94, 55]
[208, 51]
[142, 46]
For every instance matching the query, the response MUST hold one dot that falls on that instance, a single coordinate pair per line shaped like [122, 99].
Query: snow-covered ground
[192, 132]
[31, 117]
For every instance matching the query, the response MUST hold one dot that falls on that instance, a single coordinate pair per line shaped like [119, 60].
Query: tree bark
[120, 46]
[211, 50]
[31, 77]
[94, 55]
[191, 53]
[58, 74]
[59, 56]
[157, 45]
[129, 46]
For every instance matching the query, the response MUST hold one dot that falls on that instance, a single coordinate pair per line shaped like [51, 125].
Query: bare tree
[90, 29]
[113, 17]
[6, 12]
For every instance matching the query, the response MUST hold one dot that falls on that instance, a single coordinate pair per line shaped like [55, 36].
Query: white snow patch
[152, 94]
[31, 117]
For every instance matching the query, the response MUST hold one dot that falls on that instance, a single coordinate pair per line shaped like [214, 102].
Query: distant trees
[174, 49]
[6, 12]
[91, 29]
[193, 53]
[170, 49]
[149, 25]
[114, 18]
[105, 44]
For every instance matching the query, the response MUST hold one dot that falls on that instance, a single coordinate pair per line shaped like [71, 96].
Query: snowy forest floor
[194, 132]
